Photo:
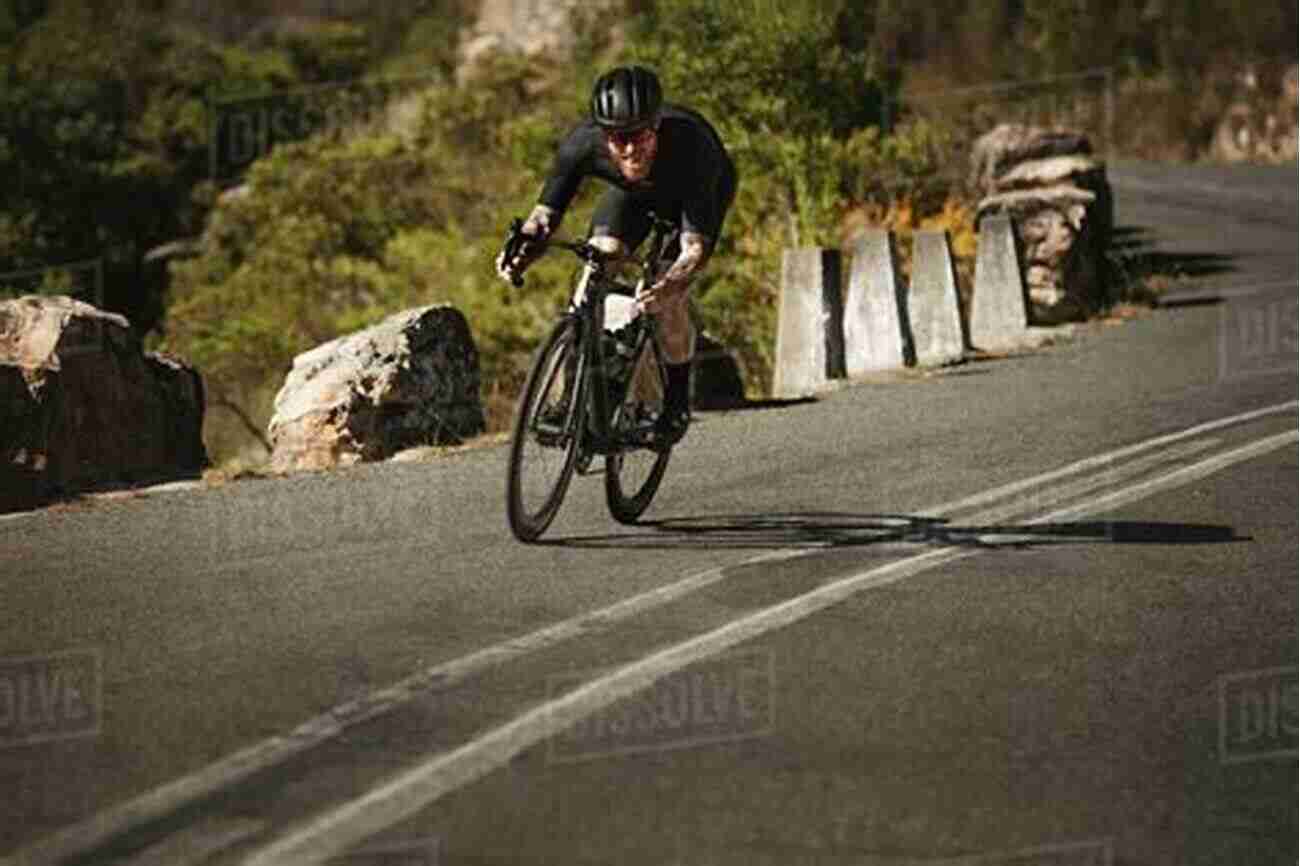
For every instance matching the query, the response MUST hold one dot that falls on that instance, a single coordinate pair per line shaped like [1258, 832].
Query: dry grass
[1122, 313]
[429, 453]
[499, 408]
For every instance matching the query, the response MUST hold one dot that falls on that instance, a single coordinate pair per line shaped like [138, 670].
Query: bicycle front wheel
[547, 425]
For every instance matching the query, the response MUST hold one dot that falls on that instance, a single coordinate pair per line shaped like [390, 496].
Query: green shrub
[337, 232]
[340, 233]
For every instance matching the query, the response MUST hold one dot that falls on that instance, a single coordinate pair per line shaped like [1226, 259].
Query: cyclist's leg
[621, 221]
[675, 320]
[619, 224]
[678, 339]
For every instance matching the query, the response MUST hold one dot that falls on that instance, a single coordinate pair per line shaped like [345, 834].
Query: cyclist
[658, 157]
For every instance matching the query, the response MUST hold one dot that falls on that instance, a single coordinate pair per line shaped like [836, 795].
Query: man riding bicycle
[660, 158]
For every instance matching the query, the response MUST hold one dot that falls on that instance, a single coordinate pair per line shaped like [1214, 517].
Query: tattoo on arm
[543, 220]
[695, 252]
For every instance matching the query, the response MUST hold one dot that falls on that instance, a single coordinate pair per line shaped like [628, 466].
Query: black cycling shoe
[582, 463]
[671, 426]
[550, 426]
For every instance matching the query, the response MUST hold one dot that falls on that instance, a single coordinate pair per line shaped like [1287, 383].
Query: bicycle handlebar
[661, 230]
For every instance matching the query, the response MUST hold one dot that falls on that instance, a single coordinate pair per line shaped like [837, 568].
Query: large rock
[81, 404]
[531, 28]
[1009, 144]
[1058, 196]
[1081, 172]
[410, 380]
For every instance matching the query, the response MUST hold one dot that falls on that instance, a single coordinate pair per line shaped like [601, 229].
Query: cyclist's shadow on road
[835, 529]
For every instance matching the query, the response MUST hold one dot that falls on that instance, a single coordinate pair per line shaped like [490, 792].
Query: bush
[793, 99]
[339, 231]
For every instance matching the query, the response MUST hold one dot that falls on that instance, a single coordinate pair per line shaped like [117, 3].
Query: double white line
[412, 791]
[346, 826]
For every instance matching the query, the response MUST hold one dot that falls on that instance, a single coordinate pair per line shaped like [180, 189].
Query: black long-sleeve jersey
[692, 175]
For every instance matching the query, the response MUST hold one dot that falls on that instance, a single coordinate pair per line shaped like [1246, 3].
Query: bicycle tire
[627, 505]
[561, 348]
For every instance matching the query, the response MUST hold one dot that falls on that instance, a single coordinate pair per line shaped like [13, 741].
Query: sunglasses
[621, 138]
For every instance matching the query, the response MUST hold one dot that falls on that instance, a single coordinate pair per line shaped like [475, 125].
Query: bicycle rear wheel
[547, 426]
[633, 474]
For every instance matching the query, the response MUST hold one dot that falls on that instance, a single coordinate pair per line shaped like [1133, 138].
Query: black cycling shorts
[625, 214]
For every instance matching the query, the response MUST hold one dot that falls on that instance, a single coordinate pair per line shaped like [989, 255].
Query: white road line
[200, 842]
[276, 750]
[1177, 478]
[1046, 497]
[152, 805]
[109, 495]
[1110, 457]
[341, 828]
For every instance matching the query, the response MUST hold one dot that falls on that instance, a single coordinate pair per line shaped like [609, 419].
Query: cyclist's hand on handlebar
[512, 263]
[512, 270]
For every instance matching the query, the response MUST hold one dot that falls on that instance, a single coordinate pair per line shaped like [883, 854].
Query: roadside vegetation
[109, 109]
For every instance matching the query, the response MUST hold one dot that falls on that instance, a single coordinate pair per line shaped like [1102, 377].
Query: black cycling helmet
[626, 97]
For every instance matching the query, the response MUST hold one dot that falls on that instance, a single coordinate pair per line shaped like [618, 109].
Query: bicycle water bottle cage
[618, 351]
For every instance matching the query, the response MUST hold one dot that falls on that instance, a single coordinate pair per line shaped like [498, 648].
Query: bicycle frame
[587, 310]
[567, 406]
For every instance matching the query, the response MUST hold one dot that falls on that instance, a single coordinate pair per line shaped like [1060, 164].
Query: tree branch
[220, 399]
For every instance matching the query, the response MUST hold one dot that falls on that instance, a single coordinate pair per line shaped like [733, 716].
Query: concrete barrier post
[998, 317]
[876, 336]
[933, 304]
[810, 331]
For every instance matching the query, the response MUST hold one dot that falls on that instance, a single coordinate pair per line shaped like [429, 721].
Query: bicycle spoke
[632, 475]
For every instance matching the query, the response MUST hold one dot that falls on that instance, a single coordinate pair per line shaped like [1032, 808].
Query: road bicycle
[591, 392]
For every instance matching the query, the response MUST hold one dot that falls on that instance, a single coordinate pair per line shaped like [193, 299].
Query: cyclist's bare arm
[542, 221]
[541, 224]
[677, 279]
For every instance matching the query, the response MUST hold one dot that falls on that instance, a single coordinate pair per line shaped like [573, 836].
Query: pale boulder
[1059, 199]
[411, 380]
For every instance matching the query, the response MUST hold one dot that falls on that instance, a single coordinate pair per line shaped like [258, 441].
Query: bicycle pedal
[548, 439]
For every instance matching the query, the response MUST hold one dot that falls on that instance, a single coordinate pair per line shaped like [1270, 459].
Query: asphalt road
[859, 667]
